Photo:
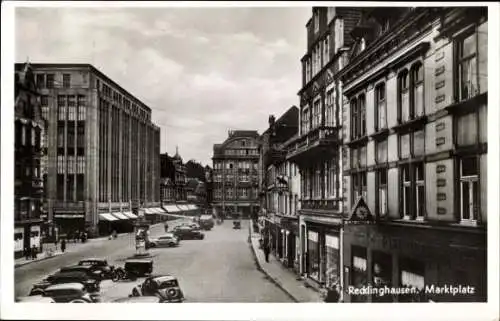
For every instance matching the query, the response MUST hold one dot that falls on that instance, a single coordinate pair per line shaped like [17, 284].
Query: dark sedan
[188, 233]
[98, 264]
[91, 272]
[91, 284]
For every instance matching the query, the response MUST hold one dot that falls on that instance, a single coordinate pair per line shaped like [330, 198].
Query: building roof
[91, 68]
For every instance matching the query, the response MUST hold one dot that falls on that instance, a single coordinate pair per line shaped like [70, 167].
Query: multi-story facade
[317, 148]
[173, 178]
[235, 174]
[281, 188]
[28, 188]
[102, 149]
[415, 112]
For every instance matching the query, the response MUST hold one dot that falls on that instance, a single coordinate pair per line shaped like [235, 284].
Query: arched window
[380, 107]
[403, 96]
[417, 108]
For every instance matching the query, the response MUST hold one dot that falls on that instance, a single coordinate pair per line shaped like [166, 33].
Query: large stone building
[235, 174]
[318, 145]
[415, 112]
[28, 187]
[281, 188]
[102, 149]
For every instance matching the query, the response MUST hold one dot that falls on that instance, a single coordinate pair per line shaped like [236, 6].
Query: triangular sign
[360, 213]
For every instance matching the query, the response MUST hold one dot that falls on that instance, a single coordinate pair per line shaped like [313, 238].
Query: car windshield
[168, 284]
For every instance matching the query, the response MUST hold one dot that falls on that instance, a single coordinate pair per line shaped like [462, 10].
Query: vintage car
[71, 293]
[168, 239]
[187, 233]
[35, 299]
[165, 287]
[89, 270]
[139, 267]
[99, 265]
[206, 222]
[90, 284]
[236, 224]
[194, 226]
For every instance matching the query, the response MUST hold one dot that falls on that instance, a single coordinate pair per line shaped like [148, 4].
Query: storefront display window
[382, 274]
[313, 254]
[359, 275]
[412, 276]
[332, 260]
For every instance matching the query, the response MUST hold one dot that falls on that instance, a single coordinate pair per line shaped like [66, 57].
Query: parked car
[71, 293]
[99, 265]
[90, 284]
[35, 299]
[206, 222]
[138, 299]
[165, 287]
[88, 269]
[187, 233]
[168, 239]
[132, 269]
[194, 226]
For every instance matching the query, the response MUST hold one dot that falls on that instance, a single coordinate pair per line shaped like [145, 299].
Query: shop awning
[192, 207]
[107, 217]
[171, 208]
[183, 207]
[160, 210]
[120, 215]
[70, 216]
[149, 211]
[130, 215]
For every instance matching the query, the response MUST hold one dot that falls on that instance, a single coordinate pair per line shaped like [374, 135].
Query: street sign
[360, 214]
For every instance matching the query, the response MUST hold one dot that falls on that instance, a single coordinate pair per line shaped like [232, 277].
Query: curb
[259, 267]
[29, 262]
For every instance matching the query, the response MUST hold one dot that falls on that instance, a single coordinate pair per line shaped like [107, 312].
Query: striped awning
[107, 217]
[160, 210]
[120, 215]
[71, 216]
[183, 207]
[149, 211]
[171, 208]
[130, 215]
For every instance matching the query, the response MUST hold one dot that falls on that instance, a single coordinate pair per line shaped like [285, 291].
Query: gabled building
[415, 132]
[235, 173]
[28, 184]
[318, 145]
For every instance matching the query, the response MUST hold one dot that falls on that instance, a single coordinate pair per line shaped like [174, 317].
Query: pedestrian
[333, 294]
[82, 237]
[63, 245]
[266, 251]
[33, 252]
[27, 253]
[166, 227]
[55, 242]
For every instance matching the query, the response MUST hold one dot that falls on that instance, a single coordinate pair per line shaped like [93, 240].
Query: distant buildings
[235, 174]
[102, 149]
[28, 186]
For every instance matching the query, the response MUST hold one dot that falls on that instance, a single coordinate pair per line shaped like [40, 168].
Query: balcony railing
[315, 139]
[324, 204]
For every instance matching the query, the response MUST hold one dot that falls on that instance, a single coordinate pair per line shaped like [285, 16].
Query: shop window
[332, 260]
[469, 189]
[359, 274]
[382, 275]
[313, 254]
[412, 276]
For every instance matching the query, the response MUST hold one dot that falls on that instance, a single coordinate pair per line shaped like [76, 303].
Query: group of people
[77, 235]
[31, 253]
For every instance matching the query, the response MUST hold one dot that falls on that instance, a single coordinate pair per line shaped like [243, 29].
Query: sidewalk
[285, 279]
[50, 251]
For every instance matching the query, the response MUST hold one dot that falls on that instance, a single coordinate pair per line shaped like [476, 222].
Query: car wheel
[117, 276]
[78, 301]
[135, 292]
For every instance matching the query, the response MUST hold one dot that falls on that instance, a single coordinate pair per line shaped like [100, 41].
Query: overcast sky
[202, 71]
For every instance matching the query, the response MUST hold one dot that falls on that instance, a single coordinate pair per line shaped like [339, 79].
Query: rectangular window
[316, 21]
[305, 121]
[380, 108]
[382, 192]
[50, 81]
[403, 95]
[381, 151]
[61, 107]
[417, 109]
[316, 114]
[404, 146]
[413, 191]
[71, 101]
[467, 132]
[313, 250]
[44, 101]
[66, 80]
[326, 49]
[469, 189]
[420, 191]
[358, 186]
[40, 80]
[33, 137]
[23, 135]
[406, 191]
[71, 113]
[466, 52]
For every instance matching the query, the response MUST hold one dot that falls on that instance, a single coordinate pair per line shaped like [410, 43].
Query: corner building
[317, 148]
[235, 174]
[415, 112]
[102, 150]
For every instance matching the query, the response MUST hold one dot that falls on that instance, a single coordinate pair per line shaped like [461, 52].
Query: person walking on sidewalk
[27, 253]
[63, 245]
[33, 252]
[266, 251]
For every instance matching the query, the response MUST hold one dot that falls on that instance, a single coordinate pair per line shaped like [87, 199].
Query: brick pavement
[282, 277]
